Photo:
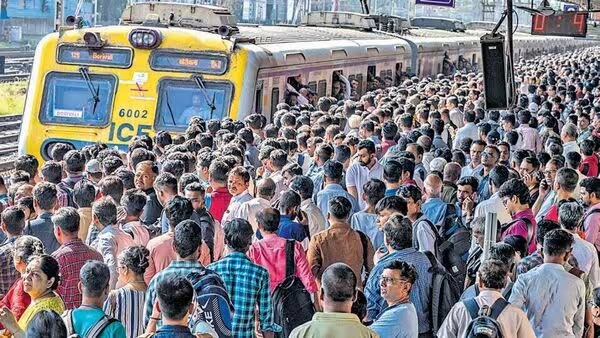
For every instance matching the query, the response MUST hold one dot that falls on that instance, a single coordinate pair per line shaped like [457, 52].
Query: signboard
[561, 24]
[570, 7]
[443, 3]
[189, 62]
[108, 57]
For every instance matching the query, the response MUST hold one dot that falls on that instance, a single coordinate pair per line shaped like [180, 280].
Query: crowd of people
[359, 206]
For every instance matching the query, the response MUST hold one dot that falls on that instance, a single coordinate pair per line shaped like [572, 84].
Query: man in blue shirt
[289, 207]
[365, 220]
[434, 207]
[175, 296]
[95, 277]
[333, 172]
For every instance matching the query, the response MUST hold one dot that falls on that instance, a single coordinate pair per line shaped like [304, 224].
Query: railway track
[9, 136]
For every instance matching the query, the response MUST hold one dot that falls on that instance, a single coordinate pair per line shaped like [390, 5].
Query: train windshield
[69, 100]
[180, 100]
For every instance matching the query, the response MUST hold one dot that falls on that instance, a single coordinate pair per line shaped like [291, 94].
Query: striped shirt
[8, 273]
[127, 306]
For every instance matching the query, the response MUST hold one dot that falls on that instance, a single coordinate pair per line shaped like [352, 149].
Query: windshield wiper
[200, 84]
[170, 109]
[85, 74]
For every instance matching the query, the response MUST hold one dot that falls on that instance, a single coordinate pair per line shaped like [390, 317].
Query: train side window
[312, 85]
[274, 100]
[474, 59]
[390, 73]
[398, 73]
[382, 74]
[439, 68]
[372, 71]
[258, 99]
[322, 88]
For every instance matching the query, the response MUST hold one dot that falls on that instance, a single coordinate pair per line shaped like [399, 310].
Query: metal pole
[510, 64]
[491, 229]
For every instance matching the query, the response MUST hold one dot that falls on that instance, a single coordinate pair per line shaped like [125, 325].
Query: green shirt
[85, 318]
[333, 325]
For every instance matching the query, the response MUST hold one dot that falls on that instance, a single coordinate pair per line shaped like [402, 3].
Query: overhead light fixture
[543, 9]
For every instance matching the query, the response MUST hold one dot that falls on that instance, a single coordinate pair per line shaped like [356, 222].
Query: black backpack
[445, 293]
[452, 243]
[484, 321]
[94, 332]
[292, 305]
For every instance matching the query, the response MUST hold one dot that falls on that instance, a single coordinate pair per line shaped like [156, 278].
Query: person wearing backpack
[398, 240]
[247, 283]
[467, 317]
[89, 320]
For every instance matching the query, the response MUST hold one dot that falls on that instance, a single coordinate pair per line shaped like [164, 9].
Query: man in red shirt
[270, 252]
[589, 164]
[220, 196]
[564, 185]
[71, 255]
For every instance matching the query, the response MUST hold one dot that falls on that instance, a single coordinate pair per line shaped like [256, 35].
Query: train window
[322, 88]
[258, 100]
[312, 85]
[68, 100]
[372, 71]
[180, 100]
[439, 69]
[389, 73]
[274, 100]
[398, 73]
[382, 74]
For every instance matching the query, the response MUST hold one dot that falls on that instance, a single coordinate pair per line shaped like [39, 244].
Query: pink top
[270, 254]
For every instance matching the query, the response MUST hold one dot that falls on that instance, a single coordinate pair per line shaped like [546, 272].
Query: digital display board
[107, 57]
[188, 62]
[561, 24]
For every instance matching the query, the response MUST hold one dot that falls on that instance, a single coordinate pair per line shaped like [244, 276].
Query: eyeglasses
[389, 280]
[548, 172]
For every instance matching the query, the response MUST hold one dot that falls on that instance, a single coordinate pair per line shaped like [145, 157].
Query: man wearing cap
[93, 171]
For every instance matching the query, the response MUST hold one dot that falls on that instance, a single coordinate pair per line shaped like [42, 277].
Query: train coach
[167, 62]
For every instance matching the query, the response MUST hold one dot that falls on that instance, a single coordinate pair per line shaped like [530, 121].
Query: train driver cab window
[180, 100]
[71, 98]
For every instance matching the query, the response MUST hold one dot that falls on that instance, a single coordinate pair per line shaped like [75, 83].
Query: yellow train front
[108, 84]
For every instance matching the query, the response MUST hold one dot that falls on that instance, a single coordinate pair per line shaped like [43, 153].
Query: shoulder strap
[103, 323]
[67, 317]
[507, 290]
[576, 272]
[363, 241]
[472, 307]
[431, 259]
[529, 226]
[290, 266]
[498, 307]
[476, 289]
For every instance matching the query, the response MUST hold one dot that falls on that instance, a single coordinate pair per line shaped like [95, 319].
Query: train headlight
[145, 38]
[93, 40]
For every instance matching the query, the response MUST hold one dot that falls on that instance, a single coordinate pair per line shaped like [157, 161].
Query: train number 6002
[133, 113]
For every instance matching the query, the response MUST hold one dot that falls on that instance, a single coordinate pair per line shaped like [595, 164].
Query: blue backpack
[213, 305]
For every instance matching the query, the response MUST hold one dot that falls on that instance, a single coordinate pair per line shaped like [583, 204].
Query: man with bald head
[265, 190]
[434, 208]
[451, 176]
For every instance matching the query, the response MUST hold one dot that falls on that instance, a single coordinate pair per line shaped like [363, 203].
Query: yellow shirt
[48, 303]
[333, 325]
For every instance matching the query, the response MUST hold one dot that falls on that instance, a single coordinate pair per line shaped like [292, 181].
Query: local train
[167, 62]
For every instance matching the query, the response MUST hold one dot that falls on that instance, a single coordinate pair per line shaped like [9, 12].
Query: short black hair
[175, 295]
[112, 186]
[187, 238]
[412, 191]
[94, 277]
[333, 170]
[367, 144]
[398, 232]
[13, 219]
[557, 242]
[106, 211]
[84, 193]
[134, 202]
[392, 171]
[177, 210]
[340, 207]
[544, 227]
[166, 181]
[498, 175]
[374, 191]
[492, 274]
[570, 214]
[45, 195]
[567, 178]
[304, 186]
[591, 185]
[396, 203]
[407, 271]
[269, 219]
[339, 282]
[67, 219]
[469, 180]
[238, 234]
[46, 323]
[514, 187]
[288, 200]
[27, 163]
[218, 171]
[52, 172]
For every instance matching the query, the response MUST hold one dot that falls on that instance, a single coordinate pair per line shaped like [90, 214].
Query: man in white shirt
[304, 186]
[568, 135]
[552, 298]
[491, 279]
[498, 175]
[367, 168]
[265, 190]
[569, 216]
[469, 130]
[238, 182]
